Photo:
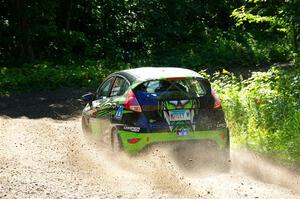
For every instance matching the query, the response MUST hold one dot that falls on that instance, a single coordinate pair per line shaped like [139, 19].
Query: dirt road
[43, 154]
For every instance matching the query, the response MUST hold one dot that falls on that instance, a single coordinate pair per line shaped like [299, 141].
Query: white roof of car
[147, 73]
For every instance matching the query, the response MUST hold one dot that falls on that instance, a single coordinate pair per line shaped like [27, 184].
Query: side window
[152, 86]
[119, 87]
[104, 90]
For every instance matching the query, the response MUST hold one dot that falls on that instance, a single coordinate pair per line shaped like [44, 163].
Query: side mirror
[88, 98]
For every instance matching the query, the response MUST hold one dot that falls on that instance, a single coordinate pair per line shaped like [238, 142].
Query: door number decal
[119, 113]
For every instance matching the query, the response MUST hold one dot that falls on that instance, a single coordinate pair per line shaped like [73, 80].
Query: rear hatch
[177, 104]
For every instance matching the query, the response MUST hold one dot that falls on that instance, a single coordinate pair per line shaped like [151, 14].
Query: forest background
[76, 43]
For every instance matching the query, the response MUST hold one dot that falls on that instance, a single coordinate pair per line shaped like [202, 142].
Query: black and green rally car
[137, 107]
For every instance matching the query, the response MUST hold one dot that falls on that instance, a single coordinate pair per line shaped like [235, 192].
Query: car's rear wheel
[116, 145]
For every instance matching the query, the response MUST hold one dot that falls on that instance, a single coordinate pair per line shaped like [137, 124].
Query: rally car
[137, 107]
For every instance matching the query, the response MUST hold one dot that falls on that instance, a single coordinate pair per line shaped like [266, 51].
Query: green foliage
[271, 16]
[226, 48]
[158, 32]
[263, 111]
[49, 76]
[241, 16]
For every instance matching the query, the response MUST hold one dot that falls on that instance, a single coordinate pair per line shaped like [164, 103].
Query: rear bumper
[221, 137]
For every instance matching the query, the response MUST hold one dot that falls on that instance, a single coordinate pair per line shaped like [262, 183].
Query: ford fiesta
[137, 107]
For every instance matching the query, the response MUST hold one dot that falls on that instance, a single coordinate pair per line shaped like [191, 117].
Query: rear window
[182, 88]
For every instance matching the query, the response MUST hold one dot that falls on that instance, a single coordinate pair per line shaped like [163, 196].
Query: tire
[116, 145]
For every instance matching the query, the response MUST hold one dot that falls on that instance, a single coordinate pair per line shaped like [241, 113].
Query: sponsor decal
[119, 113]
[183, 132]
[132, 128]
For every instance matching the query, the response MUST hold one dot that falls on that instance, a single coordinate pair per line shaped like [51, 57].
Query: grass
[263, 112]
[46, 76]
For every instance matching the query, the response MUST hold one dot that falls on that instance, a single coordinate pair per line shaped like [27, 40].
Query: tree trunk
[23, 31]
[69, 12]
[64, 15]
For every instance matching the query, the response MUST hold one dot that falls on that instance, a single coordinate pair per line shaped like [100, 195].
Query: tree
[272, 16]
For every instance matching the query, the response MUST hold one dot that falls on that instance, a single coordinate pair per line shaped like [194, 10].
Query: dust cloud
[46, 158]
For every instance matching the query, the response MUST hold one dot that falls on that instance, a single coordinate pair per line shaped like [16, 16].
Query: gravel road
[43, 154]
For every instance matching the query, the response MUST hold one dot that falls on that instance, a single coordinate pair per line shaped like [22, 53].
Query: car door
[100, 113]
[95, 117]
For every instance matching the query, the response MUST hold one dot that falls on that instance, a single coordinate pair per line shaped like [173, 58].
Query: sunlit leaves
[241, 16]
[263, 111]
[272, 16]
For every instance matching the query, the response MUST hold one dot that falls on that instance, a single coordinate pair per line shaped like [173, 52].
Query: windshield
[173, 89]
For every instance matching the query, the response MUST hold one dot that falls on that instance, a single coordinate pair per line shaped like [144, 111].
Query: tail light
[133, 140]
[217, 104]
[131, 102]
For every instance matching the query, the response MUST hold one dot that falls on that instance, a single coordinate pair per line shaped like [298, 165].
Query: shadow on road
[60, 104]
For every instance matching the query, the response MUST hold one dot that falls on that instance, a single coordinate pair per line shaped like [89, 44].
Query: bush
[263, 112]
[219, 48]
[48, 76]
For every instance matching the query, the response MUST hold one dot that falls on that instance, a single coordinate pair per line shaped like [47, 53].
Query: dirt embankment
[43, 154]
